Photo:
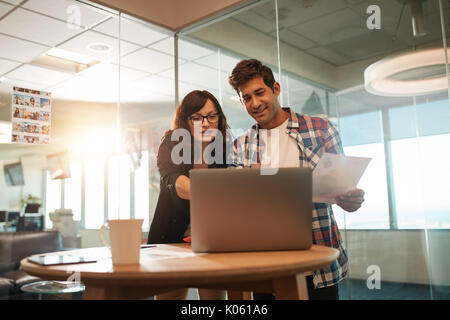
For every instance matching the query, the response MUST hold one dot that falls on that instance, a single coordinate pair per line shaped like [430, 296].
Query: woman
[201, 115]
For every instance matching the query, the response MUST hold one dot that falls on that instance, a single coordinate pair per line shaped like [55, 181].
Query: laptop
[236, 210]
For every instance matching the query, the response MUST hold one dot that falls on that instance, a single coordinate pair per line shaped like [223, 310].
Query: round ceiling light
[414, 73]
[99, 47]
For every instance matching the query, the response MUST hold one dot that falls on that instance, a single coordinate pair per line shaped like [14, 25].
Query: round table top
[168, 264]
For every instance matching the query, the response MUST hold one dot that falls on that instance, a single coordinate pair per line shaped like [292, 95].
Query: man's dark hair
[247, 70]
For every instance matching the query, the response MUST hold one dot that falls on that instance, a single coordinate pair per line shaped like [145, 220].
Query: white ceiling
[335, 30]
[30, 28]
[62, 9]
[332, 30]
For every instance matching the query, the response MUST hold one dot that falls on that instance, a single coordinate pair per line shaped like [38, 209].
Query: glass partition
[66, 55]
[322, 51]
[209, 53]
[147, 105]
[113, 93]
[394, 117]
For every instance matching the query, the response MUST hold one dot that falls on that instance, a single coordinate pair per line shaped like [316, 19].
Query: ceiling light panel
[79, 89]
[109, 73]
[150, 102]
[19, 50]
[227, 63]
[296, 12]
[251, 18]
[329, 56]
[148, 60]
[39, 75]
[186, 50]
[196, 74]
[6, 66]
[63, 9]
[4, 8]
[337, 26]
[130, 31]
[68, 55]
[13, 2]
[35, 27]
[156, 84]
[295, 39]
[80, 44]
[366, 46]
[185, 88]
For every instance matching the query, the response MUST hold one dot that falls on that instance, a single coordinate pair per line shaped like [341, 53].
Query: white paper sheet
[335, 174]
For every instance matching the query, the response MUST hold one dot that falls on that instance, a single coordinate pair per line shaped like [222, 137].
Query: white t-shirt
[282, 152]
[288, 153]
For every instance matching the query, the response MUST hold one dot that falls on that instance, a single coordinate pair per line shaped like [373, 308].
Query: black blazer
[172, 213]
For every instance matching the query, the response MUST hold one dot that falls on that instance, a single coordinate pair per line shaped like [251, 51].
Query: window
[52, 199]
[119, 187]
[362, 136]
[72, 191]
[374, 213]
[421, 182]
[94, 193]
[141, 191]
[420, 155]
[113, 188]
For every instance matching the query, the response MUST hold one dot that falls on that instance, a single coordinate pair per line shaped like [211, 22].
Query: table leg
[94, 293]
[239, 295]
[290, 288]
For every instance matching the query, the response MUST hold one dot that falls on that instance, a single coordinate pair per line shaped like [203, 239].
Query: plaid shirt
[313, 136]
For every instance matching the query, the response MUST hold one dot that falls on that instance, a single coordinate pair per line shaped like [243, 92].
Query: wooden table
[167, 267]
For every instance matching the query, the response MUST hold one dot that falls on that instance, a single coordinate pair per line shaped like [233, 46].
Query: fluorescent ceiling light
[67, 55]
[410, 74]
[63, 60]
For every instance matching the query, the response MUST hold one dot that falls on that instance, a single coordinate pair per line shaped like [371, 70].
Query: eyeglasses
[198, 119]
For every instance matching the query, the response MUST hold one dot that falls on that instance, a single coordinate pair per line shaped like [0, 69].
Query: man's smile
[260, 112]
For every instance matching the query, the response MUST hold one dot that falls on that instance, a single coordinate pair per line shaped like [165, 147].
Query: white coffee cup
[125, 240]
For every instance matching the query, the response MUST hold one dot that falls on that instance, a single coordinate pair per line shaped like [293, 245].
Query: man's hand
[351, 200]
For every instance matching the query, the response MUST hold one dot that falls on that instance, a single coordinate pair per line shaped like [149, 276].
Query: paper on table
[335, 174]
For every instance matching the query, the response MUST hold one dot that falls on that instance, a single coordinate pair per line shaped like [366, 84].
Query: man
[302, 141]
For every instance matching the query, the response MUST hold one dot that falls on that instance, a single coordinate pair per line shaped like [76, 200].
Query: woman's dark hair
[192, 103]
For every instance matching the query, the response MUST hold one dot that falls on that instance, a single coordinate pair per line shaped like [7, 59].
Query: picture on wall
[31, 116]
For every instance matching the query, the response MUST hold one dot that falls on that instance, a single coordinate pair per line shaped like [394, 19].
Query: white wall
[401, 255]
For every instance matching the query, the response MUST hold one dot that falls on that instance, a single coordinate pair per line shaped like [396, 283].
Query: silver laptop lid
[242, 210]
